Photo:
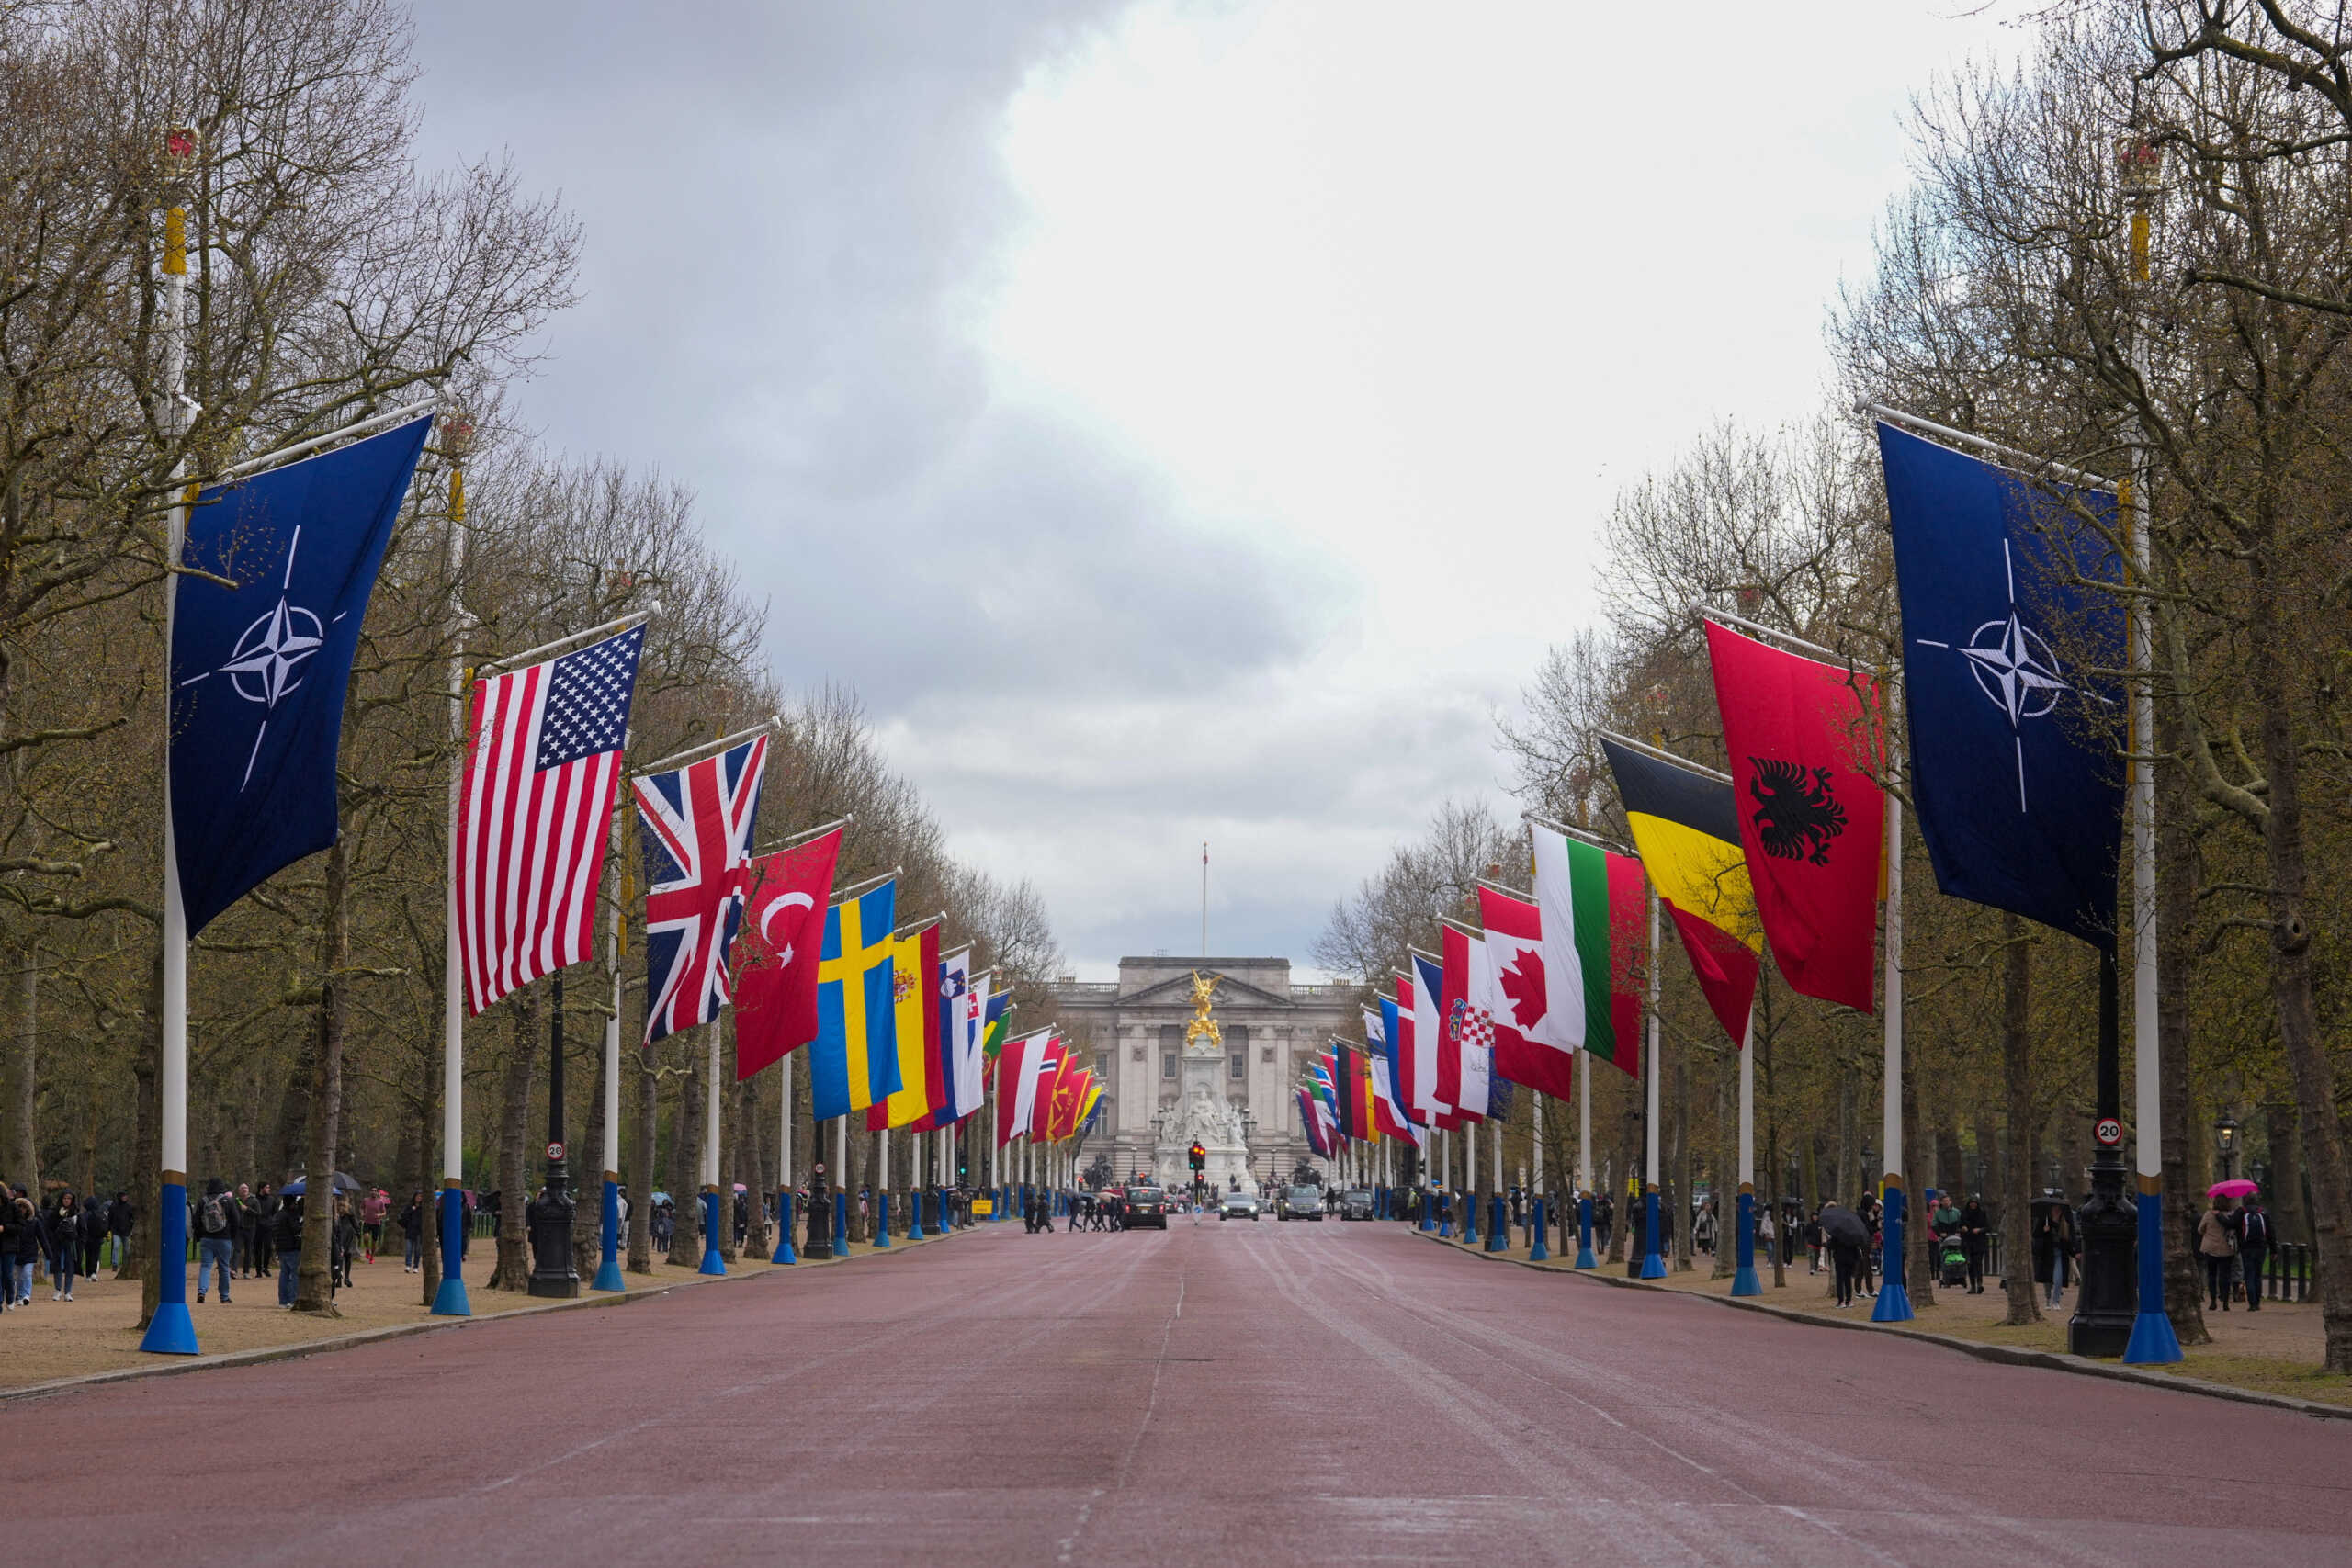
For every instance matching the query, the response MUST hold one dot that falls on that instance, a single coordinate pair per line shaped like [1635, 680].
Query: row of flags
[1048, 1095]
[263, 639]
[2014, 774]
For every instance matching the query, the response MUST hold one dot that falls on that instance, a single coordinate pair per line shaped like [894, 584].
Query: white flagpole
[450, 1301]
[714, 1202]
[608, 1269]
[172, 1332]
[1893, 1299]
[882, 1188]
[784, 1251]
[1653, 1266]
[1744, 1282]
[1585, 1259]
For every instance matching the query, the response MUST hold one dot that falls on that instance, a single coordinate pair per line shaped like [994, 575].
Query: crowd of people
[60, 1238]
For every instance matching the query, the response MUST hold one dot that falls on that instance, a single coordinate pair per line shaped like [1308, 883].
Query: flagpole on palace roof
[170, 1330]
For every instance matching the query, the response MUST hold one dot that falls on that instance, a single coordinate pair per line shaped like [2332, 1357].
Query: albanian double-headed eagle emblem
[1796, 815]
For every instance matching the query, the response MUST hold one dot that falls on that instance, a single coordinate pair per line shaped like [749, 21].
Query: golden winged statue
[1201, 1023]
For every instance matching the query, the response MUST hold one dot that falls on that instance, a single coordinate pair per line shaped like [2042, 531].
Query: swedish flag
[854, 1061]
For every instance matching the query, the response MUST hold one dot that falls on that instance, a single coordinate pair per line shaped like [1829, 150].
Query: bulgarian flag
[1593, 932]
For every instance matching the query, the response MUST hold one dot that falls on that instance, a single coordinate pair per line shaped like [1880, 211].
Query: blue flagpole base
[1653, 1266]
[1498, 1225]
[840, 1224]
[1585, 1258]
[1445, 1228]
[784, 1252]
[2152, 1342]
[1743, 1282]
[882, 1221]
[1538, 1251]
[712, 1263]
[608, 1268]
[914, 1216]
[608, 1276]
[1893, 1302]
[450, 1301]
[1426, 1223]
[171, 1332]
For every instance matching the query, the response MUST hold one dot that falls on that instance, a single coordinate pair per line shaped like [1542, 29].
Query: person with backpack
[21, 1247]
[2254, 1248]
[216, 1235]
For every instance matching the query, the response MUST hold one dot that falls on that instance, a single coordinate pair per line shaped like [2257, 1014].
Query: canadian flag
[1532, 1044]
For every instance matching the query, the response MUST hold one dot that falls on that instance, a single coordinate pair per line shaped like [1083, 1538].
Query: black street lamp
[548, 1216]
[819, 1245]
[2225, 1143]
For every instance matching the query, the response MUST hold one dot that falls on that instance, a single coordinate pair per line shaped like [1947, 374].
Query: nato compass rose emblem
[2014, 667]
[262, 666]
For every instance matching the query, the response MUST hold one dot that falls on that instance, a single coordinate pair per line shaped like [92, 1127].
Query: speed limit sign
[2108, 1132]
[555, 1151]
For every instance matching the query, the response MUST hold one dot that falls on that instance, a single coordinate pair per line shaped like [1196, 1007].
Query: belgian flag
[1686, 827]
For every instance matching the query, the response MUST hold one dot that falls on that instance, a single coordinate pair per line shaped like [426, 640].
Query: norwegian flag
[697, 825]
[535, 813]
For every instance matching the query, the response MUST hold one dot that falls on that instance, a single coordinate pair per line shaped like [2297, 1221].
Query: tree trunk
[1680, 1128]
[686, 1162]
[138, 1260]
[428, 1181]
[638, 1063]
[730, 1155]
[2291, 980]
[1629, 1165]
[513, 1272]
[750, 1137]
[314, 1279]
[1918, 1274]
[2017, 1171]
[24, 1143]
[2289, 1214]
[2178, 875]
[588, 1177]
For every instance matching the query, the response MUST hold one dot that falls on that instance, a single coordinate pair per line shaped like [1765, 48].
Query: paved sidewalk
[2276, 1350]
[99, 1332]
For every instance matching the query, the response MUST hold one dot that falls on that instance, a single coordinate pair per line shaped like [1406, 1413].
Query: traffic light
[1200, 1159]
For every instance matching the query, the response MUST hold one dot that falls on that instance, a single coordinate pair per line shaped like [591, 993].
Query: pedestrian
[214, 1224]
[1975, 1238]
[2254, 1247]
[94, 1237]
[411, 1224]
[241, 1263]
[19, 1249]
[285, 1240]
[342, 1244]
[2217, 1246]
[265, 1239]
[2054, 1244]
[120, 1217]
[663, 1223]
[1604, 1222]
[1766, 1237]
[1814, 1244]
[1845, 1255]
[64, 1244]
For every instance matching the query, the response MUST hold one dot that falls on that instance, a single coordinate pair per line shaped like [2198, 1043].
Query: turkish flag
[1802, 736]
[775, 988]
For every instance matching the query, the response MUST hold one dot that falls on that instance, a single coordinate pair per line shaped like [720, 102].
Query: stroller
[1952, 1260]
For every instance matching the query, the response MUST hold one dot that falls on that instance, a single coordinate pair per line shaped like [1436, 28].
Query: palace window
[1236, 1044]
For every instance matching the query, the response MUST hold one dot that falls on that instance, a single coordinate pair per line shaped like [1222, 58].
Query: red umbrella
[2236, 1187]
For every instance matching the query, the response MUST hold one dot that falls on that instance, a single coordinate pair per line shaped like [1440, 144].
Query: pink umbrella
[2236, 1187]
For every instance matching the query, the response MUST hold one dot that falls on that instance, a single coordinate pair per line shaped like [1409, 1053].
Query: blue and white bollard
[2152, 1342]
[608, 1267]
[449, 1301]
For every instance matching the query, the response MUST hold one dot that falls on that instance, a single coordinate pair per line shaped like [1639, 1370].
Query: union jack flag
[696, 824]
[535, 813]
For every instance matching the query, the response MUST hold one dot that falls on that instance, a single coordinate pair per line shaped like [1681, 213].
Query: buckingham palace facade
[1134, 1029]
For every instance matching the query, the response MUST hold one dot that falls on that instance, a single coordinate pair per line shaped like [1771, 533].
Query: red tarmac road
[1226, 1394]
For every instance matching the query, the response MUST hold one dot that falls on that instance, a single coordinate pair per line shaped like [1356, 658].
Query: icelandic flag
[2014, 733]
[258, 670]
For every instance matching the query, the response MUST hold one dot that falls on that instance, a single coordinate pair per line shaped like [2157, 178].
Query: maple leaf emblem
[1522, 982]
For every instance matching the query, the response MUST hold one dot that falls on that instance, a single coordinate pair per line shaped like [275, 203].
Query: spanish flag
[1687, 832]
[854, 1061]
[914, 954]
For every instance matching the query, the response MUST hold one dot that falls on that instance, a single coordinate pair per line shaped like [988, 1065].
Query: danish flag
[696, 823]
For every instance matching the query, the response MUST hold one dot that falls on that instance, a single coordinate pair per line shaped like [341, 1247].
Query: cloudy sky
[1184, 419]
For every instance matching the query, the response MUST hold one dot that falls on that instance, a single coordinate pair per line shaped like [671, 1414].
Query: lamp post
[2225, 1143]
[1248, 1143]
[819, 1245]
[550, 1215]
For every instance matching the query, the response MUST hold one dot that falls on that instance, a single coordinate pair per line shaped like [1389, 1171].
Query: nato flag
[2015, 769]
[258, 670]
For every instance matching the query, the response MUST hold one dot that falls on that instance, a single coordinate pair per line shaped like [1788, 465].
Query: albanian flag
[1801, 733]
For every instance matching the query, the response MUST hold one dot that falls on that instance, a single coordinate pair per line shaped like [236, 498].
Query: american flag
[696, 824]
[535, 813]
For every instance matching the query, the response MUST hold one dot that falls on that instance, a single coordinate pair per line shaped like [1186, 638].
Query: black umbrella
[296, 1187]
[1844, 1225]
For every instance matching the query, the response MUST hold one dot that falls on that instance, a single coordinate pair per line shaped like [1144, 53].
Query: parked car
[1355, 1204]
[1237, 1206]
